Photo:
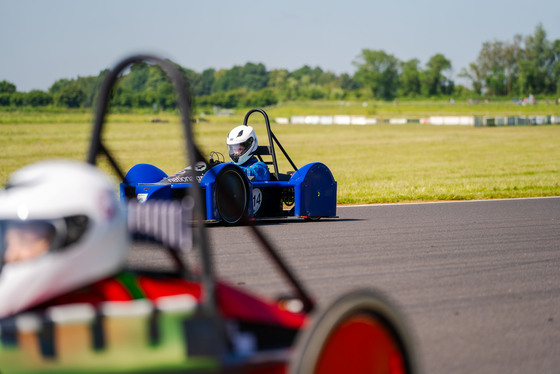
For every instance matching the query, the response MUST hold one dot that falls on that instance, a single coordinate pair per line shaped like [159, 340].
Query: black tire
[359, 333]
[232, 195]
[312, 219]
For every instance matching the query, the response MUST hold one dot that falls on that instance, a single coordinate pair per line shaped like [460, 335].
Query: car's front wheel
[359, 333]
[232, 195]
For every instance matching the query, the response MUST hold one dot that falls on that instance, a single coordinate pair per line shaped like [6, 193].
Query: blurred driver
[25, 241]
[61, 228]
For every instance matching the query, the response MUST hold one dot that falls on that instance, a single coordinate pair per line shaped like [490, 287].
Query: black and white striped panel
[168, 222]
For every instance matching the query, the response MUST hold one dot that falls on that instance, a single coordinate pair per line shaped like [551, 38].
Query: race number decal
[257, 199]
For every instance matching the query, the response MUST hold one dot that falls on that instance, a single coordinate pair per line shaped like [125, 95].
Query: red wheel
[359, 333]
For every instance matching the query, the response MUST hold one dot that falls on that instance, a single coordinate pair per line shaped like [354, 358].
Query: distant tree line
[526, 65]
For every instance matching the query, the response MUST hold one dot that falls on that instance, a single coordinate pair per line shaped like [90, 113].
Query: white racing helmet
[61, 227]
[242, 144]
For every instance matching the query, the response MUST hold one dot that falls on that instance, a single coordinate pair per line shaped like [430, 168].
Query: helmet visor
[237, 150]
[25, 240]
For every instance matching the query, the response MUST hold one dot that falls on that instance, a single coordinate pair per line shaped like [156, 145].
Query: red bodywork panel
[233, 303]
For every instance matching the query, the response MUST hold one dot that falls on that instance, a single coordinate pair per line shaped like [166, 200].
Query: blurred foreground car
[188, 320]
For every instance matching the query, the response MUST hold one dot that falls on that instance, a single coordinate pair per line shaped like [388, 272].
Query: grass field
[372, 164]
[416, 108]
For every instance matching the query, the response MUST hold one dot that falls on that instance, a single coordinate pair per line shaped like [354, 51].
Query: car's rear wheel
[359, 333]
[312, 219]
[232, 195]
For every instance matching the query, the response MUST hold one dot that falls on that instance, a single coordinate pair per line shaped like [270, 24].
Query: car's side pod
[139, 173]
[314, 191]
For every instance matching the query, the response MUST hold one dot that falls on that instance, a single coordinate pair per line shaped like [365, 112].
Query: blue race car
[230, 196]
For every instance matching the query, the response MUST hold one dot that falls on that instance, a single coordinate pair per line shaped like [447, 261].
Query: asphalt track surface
[477, 282]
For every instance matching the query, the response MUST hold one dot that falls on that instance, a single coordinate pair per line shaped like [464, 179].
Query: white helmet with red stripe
[61, 227]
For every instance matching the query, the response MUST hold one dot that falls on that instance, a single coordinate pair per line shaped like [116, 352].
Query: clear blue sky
[42, 41]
